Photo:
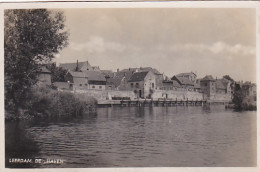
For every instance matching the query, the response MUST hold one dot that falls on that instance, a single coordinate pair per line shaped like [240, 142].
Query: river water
[137, 137]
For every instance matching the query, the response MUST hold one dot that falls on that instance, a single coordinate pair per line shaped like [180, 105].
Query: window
[86, 84]
[100, 87]
[80, 84]
[137, 85]
[205, 84]
[93, 86]
[152, 85]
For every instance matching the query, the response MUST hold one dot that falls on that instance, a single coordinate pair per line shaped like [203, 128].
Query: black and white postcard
[127, 85]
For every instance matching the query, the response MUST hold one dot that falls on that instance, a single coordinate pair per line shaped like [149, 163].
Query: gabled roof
[73, 66]
[107, 73]
[90, 75]
[116, 80]
[183, 80]
[95, 76]
[176, 84]
[220, 84]
[142, 69]
[78, 74]
[172, 83]
[138, 76]
[186, 74]
[208, 78]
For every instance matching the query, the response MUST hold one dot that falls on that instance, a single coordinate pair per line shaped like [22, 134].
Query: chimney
[117, 70]
[77, 67]
[129, 69]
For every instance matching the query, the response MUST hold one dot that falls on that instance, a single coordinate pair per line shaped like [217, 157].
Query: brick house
[142, 83]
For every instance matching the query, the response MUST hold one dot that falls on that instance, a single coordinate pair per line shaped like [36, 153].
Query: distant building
[189, 75]
[142, 83]
[77, 80]
[197, 87]
[78, 66]
[184, 82]
[158, 75]
[216, 89]
[223, 86]
[249, 89]
[208, 86]
[107, 73]
[119, 80]
[170, 85]
[86, 80]
[44, 76]
[96, 80]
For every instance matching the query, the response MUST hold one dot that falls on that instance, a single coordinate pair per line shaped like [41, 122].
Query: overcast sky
[173, 40]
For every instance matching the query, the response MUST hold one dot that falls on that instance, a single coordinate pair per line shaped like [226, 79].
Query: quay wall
[220, 98]
[177, 95]
[101, 95]
[105, 94]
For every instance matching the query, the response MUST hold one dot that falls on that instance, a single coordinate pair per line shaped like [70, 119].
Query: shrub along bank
[44, 101]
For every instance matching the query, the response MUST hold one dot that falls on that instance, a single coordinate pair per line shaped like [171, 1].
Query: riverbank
[48, 102]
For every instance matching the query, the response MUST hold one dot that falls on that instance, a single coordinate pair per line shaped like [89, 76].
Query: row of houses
[142, 81]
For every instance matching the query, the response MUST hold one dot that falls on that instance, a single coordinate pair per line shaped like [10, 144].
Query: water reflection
[139, 136]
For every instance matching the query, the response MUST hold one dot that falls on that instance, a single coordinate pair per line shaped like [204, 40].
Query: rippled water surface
[137, 137]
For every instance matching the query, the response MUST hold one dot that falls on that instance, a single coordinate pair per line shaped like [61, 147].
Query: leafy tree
[238, 97]
[57, 73]
[228, 78]
[31, 37]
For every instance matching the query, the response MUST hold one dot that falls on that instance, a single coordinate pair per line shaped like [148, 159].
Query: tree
[228, 78]
[57, 73]
[238, 97]
[31, 37]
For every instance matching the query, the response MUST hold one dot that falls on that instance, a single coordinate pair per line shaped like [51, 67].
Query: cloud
[216, 48]
[97, 44]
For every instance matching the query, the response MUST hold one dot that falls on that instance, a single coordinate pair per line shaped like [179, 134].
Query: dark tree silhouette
[31, 37]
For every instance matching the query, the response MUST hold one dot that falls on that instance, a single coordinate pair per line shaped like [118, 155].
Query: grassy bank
[48, 102]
